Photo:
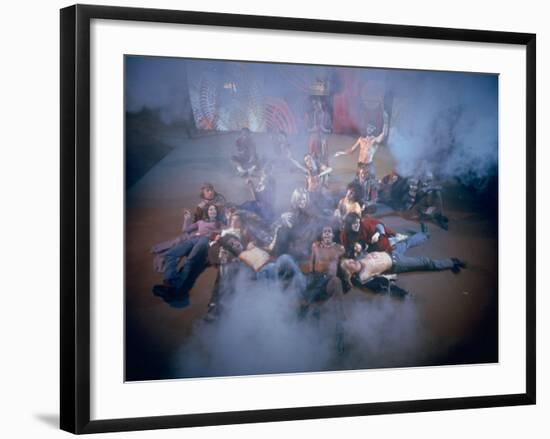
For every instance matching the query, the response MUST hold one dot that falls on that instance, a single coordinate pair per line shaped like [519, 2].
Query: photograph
[288, 218]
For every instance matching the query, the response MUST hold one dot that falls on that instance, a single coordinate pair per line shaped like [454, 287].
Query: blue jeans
[196, 250]
[403, 263]
[284, 269]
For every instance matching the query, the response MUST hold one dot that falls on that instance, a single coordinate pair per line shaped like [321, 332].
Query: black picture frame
[75, 217]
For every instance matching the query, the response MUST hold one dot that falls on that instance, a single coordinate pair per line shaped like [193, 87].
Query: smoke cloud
[446, 123]
[260, 332]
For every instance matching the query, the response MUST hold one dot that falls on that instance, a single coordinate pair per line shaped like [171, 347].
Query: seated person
[322, 281]
[263, 195]
[246, 159]
[367, 188]
[195, 248]
[349, 204]
[208, 197]
[429, 201]
[367, 231]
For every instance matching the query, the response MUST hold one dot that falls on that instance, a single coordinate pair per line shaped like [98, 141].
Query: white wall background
[29, 182]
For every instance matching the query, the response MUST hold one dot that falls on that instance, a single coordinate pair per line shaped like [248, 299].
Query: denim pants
[403, 263]
[196, 250]
[284, 268]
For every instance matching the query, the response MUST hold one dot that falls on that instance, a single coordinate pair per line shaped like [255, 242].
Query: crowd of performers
[322, 245]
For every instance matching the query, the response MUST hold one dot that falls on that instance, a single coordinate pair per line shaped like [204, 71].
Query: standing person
[368, 144]
[319, 126]
[316, 176]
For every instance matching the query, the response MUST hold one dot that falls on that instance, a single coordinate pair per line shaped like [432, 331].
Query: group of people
[315, 250]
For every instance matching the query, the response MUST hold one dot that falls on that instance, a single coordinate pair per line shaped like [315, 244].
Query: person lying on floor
[195, 249]
[374, 264]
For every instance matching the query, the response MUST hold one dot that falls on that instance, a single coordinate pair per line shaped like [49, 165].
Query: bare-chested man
[322, 281]
[368, 145]
[380, 262]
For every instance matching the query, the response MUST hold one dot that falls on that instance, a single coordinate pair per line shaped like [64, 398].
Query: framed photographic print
[268, 218]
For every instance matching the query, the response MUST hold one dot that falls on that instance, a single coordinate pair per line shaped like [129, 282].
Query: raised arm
[187, 220]
[297, 164]
[348, 151]
[382, 136]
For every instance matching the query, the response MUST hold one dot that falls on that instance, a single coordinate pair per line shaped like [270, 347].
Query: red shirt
[368, 229]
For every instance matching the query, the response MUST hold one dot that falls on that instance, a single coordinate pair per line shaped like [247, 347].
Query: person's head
[299, 199]
[352, 223]
[350, 266]
[245, 132]
[362, 172]
[211, 213]
[327, 235]
[235, 221]
[309, 161]
[207, 191]
[232, 244]
[371, 129]
[352, 192]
